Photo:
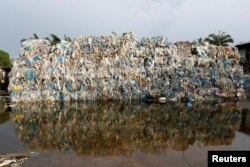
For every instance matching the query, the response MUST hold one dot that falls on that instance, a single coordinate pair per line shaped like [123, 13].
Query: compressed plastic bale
[123, 68]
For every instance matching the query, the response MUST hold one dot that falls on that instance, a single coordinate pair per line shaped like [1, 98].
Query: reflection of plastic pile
[120, 67]
[118, 128]
[247, 85]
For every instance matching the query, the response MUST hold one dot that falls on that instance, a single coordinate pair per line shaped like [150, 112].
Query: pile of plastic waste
[120, 67]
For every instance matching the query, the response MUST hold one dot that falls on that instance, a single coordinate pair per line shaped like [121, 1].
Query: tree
[221, 39]
[4, 59]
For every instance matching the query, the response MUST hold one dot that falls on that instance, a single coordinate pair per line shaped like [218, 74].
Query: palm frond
[54, 39]
[22, 40]
[220, 39]
[35, 36]
[67, 38]
[47, 38]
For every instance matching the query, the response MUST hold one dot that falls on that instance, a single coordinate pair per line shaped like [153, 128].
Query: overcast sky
[176, 19]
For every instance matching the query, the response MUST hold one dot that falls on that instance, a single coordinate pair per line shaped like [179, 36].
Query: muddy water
[123, 134]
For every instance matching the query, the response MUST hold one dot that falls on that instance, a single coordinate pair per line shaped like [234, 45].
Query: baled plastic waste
[120, 67]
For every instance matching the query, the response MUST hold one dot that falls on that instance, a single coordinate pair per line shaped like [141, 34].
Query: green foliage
[4, 116]
[67, 38]
[53, 39]
[200, 40]
[4, 59]
[220, 39]
[35, 36]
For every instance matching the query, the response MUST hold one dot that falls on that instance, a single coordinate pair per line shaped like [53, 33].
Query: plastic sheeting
[123, 68]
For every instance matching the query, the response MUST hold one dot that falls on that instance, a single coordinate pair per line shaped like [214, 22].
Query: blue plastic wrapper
[30, 74]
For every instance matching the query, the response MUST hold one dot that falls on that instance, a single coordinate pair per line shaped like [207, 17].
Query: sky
[179, 20]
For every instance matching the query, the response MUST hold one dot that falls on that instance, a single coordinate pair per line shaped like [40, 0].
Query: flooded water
[134, 134]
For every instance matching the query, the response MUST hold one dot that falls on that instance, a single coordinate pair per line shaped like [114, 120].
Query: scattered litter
[5, 162]
[13, 160]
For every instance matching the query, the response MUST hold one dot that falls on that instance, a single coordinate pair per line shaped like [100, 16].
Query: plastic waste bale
[121, 67]
[26, 74]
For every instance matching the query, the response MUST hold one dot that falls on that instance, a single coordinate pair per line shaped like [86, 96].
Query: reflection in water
[4, 110]
[4, 116]
[121, 128]
[245, 123]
